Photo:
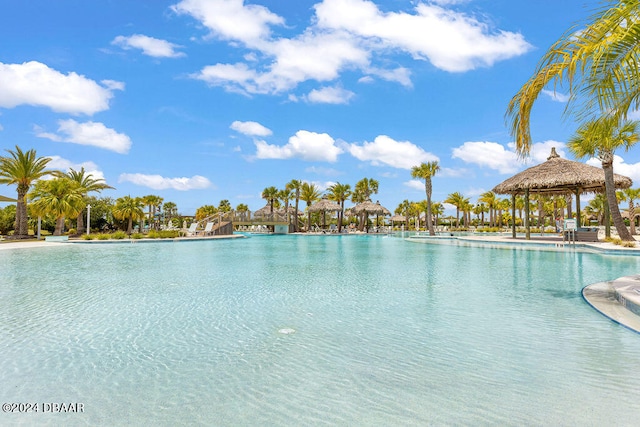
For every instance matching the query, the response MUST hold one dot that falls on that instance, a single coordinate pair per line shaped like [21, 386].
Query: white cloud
[231, 19]
[346, 35]
[113, 84]
[330, 95]
[250, 128]
[556, 96]
[89, 133]
[488, 154]
[415, 184]
[451, 41]
[158, 182]
[305, 145]
[631, 170]
[540, 151]
[33, 83]
[386, 151]
[150, 46]
[65, 165]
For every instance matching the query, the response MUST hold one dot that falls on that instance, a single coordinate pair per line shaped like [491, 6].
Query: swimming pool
[386, 333]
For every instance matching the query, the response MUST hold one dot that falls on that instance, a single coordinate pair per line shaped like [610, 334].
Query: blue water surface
[387, 332]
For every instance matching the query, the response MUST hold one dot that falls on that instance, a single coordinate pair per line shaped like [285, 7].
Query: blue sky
[203, 100]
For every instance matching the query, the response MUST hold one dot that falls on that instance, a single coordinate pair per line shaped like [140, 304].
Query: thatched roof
[559, 176]
[324, 205]
[266, 210]
[398, 218]
[7, 199]
[370, 208]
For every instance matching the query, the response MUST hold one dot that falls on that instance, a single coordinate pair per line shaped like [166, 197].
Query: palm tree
[270, 194]
[223, 206]
[285, 195]
[596, 207]
[340, 193]
[205, 211]
[362, 193]
[599, 63]
[22, 169]
[59, 197]
[128, 208]
[309, 193]
[437, 209]
[630, 195]
[458, 200]
[242, 210]
[427, 171]
[491, 201]
[87, 184]
[295, 186]
[600, 138]
[171, 210]
[153, 202]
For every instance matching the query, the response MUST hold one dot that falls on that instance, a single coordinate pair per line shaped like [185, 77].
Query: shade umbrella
[369, 208]
[325, 205]
[7, 199]
[557, 176]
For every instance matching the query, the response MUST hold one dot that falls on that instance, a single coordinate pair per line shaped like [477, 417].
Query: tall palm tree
[128, 209]
[295, 186]
[242, 210]
[600, 138]
[205, 211]
[458, 200]
[223, 206]
[87, 184]
[285, 195]
[309, 193]
[22, 169]
[437, 209]
[427, 171]
[59, 197]
[630, 195]
[362, 193]
[171, 211]
[598, 62]
[270, 194]
[403, 209]
[491, 201]
[340, 193]
[596, 207]
[153, 202]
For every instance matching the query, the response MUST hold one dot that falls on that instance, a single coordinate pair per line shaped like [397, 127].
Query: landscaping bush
[103, 236]
[119, 235]
[88, 237]
[137, 236]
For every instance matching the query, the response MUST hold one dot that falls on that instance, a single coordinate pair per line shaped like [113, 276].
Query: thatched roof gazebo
[325, 205]
[557, 176]
[369, 208]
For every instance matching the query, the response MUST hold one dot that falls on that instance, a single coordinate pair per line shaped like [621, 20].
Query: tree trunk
[22, 225]
[59, 226]
[610, 191]
[632, 217]
[428, 189]
[80, 224]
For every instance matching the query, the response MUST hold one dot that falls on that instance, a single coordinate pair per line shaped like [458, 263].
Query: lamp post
[88, 219]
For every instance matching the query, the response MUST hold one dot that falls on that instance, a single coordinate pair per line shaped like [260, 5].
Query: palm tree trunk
[80, 224]
[632, 217]
[21, 225]
[610, 191]
[59, 226]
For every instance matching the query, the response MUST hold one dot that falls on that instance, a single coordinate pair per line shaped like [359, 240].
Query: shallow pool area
[313, 330]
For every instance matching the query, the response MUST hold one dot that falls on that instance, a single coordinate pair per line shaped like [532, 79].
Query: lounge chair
[208, 229]
[191, 231]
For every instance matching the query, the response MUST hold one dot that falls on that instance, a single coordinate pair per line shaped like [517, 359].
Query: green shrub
[153, 234]
[137, 236]
[71, 231]
[88, 237]
[119, 235]
[103, 236]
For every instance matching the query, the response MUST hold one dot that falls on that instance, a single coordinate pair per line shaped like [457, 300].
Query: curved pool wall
[378, 332]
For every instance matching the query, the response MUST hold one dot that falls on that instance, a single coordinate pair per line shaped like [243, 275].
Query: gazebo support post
[526, 214]
[513, 215]
[578, 219]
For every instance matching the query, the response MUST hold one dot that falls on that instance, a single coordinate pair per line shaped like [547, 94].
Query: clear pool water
[313, 330]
